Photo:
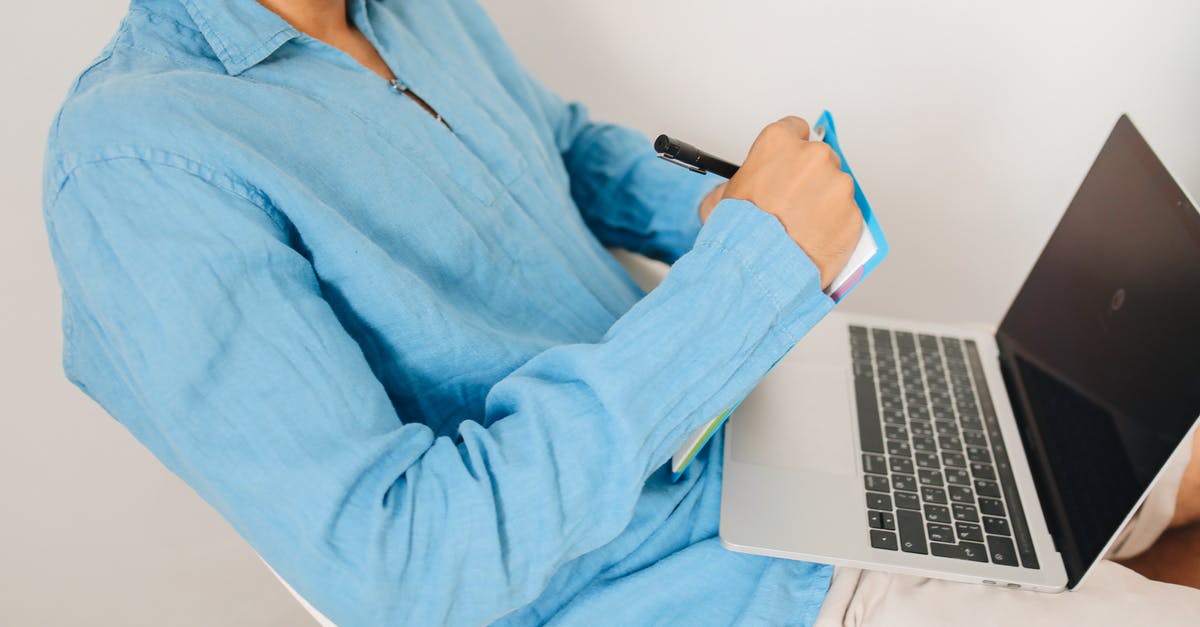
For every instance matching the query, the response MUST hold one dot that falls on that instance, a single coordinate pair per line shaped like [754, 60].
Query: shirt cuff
[786, 276]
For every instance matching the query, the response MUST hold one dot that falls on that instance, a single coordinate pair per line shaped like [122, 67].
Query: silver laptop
[1010, 459]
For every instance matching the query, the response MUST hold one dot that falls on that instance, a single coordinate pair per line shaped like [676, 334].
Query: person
[340, 265]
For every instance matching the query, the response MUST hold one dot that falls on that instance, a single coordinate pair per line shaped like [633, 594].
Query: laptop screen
[1101, 347]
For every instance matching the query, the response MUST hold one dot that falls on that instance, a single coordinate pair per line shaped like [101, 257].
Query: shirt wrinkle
[225, 182]
[399, 359]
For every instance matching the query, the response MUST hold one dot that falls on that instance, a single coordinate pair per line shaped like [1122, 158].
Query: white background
[968, 124]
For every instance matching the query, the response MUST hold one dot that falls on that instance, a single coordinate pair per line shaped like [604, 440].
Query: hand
[716, 195]
[801, 183]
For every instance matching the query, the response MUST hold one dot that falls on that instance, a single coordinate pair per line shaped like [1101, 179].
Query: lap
[1112, 595]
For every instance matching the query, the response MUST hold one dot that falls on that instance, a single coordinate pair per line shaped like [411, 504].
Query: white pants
[1110, 595]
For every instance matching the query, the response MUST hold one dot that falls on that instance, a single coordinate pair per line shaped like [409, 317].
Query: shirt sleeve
[628, 196]
[214, 345]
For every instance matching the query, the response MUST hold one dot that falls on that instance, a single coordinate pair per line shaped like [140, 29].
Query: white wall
[93, 531]
[968, 125]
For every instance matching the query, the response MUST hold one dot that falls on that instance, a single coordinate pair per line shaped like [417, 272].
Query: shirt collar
[241, 32]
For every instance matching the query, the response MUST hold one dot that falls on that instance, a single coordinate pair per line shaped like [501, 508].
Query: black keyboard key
[935, 496]
[991, 507]
[954, 460]
[907, 500]
[870, 435]
[929, 477]
[957, 476]
[894, 416]
[928, 460]
[873, 463]
[898, 448]
[947, 429]
[924, 444]
[946, 550]
[912, 531]
[983, 471]
[937, 513]
[970, 422]
[997, 526]
[873, 520]
[974, 438]
[1002, 551]
[965, 513]
[881, 539]
[973, 551]
[901, 465]
[879, 501]
[964, 551]
[941, 533]
[968, 531]
[889, 520]
[961, 494]
[920, 428]
[876, 483]
[987, 488]
[908, 483]
[895, 432]
[951, 443]
[978, 454]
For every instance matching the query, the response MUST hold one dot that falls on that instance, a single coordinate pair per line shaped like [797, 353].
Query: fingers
[796, 125]
[793, 130]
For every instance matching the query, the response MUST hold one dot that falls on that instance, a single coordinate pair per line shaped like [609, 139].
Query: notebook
[871, 249]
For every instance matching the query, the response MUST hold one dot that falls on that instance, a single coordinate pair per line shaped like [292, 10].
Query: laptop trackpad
[798, 418]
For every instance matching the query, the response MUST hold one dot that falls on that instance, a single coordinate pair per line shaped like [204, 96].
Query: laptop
[1011, 458]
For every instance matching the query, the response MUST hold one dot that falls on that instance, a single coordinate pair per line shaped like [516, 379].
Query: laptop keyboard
[936, 473]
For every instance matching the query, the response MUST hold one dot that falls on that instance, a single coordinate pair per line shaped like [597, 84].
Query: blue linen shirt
[397, 357]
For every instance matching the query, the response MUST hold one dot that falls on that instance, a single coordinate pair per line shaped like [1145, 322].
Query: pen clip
[685, 164]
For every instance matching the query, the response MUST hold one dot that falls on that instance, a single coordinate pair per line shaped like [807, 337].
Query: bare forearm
[1175, 558]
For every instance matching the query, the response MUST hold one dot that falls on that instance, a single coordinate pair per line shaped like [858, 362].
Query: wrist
[778, 269]
[710, 200]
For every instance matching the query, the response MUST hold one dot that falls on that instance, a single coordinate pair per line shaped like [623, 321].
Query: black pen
[692, 158]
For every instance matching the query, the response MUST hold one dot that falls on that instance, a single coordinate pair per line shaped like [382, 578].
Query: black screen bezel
[1124, 137]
